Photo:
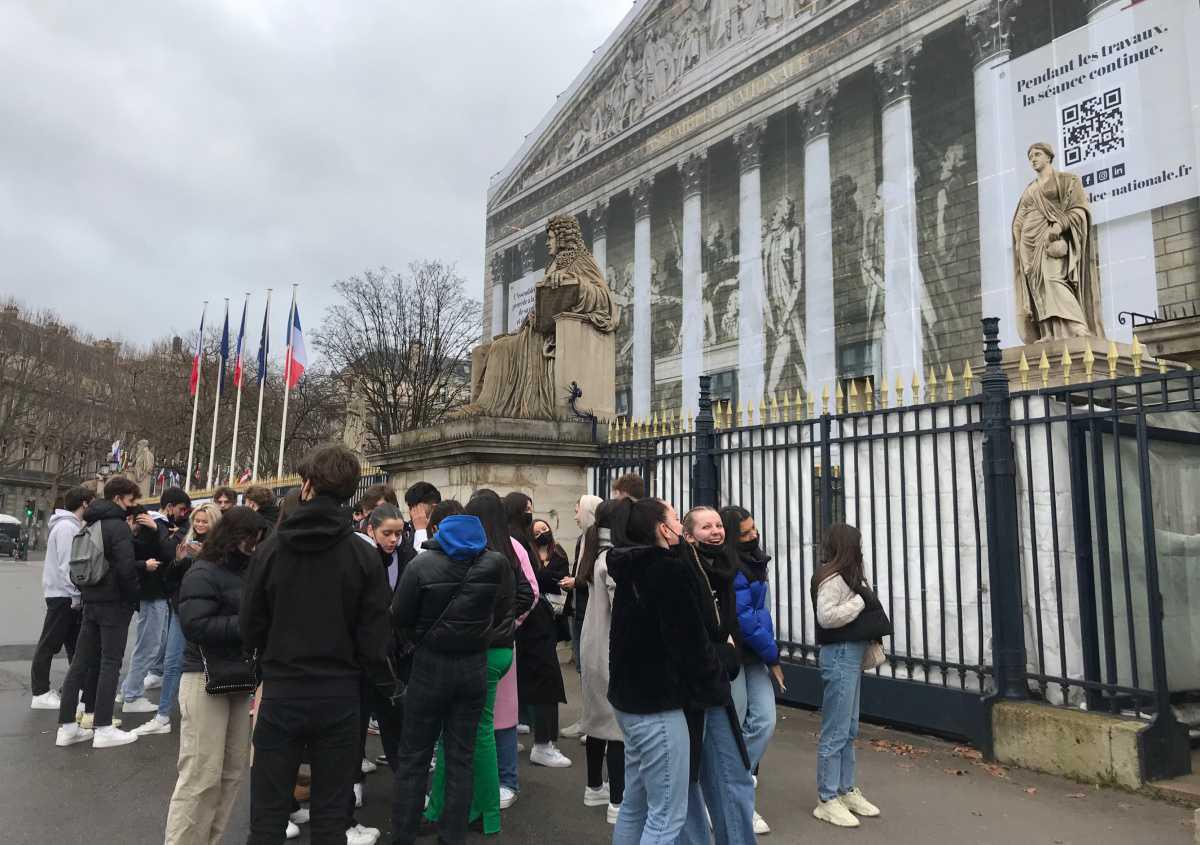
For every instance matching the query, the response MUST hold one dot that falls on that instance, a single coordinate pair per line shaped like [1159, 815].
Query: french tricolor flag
[297, 356]
[194, 379]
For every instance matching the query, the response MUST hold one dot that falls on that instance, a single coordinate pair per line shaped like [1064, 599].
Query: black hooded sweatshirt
[120, 585]
[315, 606]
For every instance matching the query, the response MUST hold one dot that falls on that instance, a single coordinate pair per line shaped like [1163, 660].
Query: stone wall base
[1084, 746]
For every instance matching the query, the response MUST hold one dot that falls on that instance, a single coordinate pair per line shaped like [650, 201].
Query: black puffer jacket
[210, 600]
[120, 585]
[661, 656]
[447, 597]
[504, 620]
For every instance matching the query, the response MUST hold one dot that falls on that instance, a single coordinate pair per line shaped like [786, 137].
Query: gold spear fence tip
[775, 407]
[825, 399]
[931, 386]
[1066, 364]
[1112, 358]
[1136, 351]
[1044, 367]
[915, 398]
[870, 391]
[949, 382]
[899, 396]
[1023, 368]
[883, 395]
[968, 377]
[1089, 360]
[853, 397]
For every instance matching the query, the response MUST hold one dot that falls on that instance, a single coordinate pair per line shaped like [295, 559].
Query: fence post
[1000, 497]
[704, 473]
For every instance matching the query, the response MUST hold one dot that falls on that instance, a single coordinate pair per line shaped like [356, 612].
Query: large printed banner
[522, 294]
[1118, 100]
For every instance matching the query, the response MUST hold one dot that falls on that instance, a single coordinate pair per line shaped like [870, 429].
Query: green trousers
[485, 801]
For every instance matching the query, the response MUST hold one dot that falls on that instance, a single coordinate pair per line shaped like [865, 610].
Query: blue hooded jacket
[461, 537]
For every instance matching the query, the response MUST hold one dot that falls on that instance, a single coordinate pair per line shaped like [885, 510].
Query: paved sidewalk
[928, 792]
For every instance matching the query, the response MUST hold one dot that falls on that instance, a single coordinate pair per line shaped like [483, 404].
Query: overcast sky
[156, 154]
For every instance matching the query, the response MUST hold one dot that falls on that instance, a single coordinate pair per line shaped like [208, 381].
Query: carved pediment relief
[662, 52]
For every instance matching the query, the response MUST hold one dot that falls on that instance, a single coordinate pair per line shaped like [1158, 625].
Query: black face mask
[236, 559]
[710, 550]
[748, 547]
[546, 539]
[527, 520]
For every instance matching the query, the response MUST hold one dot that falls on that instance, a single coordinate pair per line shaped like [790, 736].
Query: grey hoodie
[56, 571]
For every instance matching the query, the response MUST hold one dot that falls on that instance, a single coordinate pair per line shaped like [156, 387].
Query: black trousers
[390, 717]
[328, 729]
[597, 751]
[545, 723]
[100, 647]
[59, 630]
[445, 697]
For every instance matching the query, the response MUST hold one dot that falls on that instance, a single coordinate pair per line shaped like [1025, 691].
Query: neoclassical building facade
[788, 193]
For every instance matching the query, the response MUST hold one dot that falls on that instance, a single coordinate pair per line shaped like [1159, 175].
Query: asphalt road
[928, 790]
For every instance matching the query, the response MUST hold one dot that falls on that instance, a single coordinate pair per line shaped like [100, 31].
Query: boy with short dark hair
[629, 486]
[315, 610]
[225, 498]
[107, 609]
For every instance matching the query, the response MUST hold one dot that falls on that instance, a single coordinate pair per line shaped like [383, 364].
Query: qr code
[1093, 127]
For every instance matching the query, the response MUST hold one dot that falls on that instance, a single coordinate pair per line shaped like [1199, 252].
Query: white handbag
[873, 657]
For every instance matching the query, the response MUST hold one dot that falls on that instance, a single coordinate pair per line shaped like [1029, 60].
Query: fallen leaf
[906, 766]
[1031, 790]
[958, 772]
[994, 770]
[968, 753]
[1076, 795]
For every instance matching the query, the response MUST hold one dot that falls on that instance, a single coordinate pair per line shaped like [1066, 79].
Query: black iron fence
[1018, 541]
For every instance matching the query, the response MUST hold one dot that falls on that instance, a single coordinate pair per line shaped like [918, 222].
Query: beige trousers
[214, 754]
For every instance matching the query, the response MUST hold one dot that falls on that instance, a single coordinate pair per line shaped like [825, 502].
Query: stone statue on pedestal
[1054, 246]
[514, 375]
[142, 467]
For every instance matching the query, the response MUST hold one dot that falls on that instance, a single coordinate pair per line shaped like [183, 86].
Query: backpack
[89, 566]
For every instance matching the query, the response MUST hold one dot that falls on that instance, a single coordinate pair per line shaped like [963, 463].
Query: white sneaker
[507, 798]
[597, 797]
[857, 804]
[520, 748]
[157, 725]
[548, 755]
[71, 733]
[583, 739]
[139, 705]
[358, 795]
[613, 813]
[835, 813]
[572, 731]
[368, 766]
[761, 828]
[110, 737]
[45, 701]
[87, 721]
[359, 835]
[293, 832]
[522, 729]
[152, 681]
[301, 816]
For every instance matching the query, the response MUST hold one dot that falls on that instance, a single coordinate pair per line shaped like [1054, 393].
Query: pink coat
[506, 691]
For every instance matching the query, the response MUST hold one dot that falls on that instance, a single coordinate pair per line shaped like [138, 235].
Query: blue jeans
[841, 675]
[506, 757]
[725, 787]
[151, 632]
[172, 667]
[656, 778]
[754, 698]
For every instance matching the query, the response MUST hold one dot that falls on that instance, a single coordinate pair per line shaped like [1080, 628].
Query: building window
[623, 402]
[858, 360]
[724, 388]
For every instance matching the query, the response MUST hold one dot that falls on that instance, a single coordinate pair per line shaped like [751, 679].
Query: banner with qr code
[1118, 101]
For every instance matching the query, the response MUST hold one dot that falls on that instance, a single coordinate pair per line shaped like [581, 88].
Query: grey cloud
[153, 155]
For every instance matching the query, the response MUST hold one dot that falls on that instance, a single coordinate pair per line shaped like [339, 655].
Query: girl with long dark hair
[753, 692]
[539, 676]
[661, 661]
[849, 618]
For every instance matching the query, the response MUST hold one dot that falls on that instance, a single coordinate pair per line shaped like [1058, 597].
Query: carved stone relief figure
[872, 260]
[1056, 269]
[847, 225]
[783, 264]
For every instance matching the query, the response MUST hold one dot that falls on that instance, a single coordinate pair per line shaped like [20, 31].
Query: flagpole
[195, 404]
[262, 383]
[237, 408]
[212, 443]
[287, 381]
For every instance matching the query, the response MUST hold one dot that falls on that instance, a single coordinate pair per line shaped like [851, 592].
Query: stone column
[525, 251]
[1128, 278]
[640, 392]
[820, 356]
[989, 25]
[904, 288]
[599, 218]
[497, 313]
[692, 171]
[752, 350]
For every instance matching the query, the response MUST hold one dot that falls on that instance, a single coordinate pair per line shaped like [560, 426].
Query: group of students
[443, 629]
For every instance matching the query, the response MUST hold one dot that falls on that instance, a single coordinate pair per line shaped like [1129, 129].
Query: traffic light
[29, 505]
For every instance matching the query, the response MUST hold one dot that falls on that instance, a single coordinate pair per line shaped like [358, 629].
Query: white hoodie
[56, 571]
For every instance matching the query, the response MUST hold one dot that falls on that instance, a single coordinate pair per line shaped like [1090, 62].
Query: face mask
[527, 519]
[545, 539]
[748, 547]
[711, 549]
[674, 539]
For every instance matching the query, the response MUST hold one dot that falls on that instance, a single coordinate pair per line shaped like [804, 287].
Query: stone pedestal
[588, 358]
[1175, 340]
[1077, 346]
[546, 460]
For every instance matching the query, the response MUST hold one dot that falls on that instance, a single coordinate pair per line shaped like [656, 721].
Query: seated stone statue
[517, 378]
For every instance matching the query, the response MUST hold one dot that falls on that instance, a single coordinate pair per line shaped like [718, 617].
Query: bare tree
[402, 343]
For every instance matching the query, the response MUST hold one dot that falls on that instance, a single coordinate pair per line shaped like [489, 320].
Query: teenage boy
[225, 498]
[421, 499]
[107, 609]
[314, 607]
[150, 539]
[629, 486]
[64, 609]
